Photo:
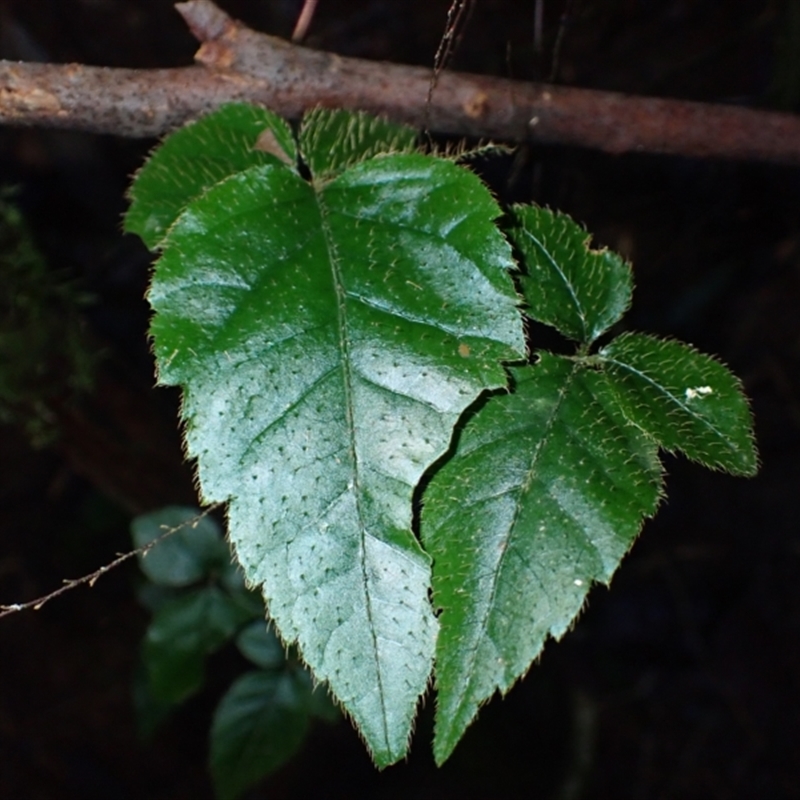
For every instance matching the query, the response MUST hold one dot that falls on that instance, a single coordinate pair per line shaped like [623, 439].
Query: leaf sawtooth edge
[687, 400]
[467, 580]
[579, 290]
[189, 406]
[197, 156]
[331, 140]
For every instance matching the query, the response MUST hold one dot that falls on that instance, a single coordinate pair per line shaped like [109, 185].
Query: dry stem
[236, 63]
[91, 579]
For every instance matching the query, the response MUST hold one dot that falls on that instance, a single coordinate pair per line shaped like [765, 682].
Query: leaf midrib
[347, 378]
[522, 492]
[565, 280]
[668, 394]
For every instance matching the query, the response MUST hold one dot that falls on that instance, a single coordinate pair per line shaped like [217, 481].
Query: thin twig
[304, 20]
[563, 23]
[448, 44]
[91, 579]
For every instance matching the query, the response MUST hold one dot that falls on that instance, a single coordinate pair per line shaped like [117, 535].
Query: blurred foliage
[45, 358]
[200, 604]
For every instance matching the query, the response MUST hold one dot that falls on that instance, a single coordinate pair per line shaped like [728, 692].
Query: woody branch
[237, 63]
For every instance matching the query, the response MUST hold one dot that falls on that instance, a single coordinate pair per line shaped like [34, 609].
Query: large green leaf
[685, 400]
[260, 723]
[579, 291]
[200, 155]
[180, 637]
[544, 494]
[328, 335]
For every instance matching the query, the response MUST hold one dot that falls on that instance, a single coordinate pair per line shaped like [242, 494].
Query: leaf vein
[678, 402]
[347, 378]
[482, 627]
[561, 274]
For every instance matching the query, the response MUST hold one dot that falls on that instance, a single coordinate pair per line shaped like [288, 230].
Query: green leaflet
[327, 337]
[580, 292]
[685, 400]
[196, 157]
[546, 491]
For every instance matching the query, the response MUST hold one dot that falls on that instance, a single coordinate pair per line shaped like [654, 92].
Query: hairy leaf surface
[579, 291]
[684, 399]
[544, 494]
[332, 140]
[331, 307]
[198, 156]
[327, 336]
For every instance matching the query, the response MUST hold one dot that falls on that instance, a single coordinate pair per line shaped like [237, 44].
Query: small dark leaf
[259, 724]
[180, 637]
[260, 645]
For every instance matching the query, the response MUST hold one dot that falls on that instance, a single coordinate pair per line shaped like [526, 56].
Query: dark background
[683, 681]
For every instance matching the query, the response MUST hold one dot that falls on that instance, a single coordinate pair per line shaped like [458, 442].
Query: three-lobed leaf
[547, 487]
[328, 335]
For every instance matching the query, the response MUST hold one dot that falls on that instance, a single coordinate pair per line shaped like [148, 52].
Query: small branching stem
[91, 578]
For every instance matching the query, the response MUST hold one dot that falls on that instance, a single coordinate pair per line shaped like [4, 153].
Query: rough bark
[236, 63]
